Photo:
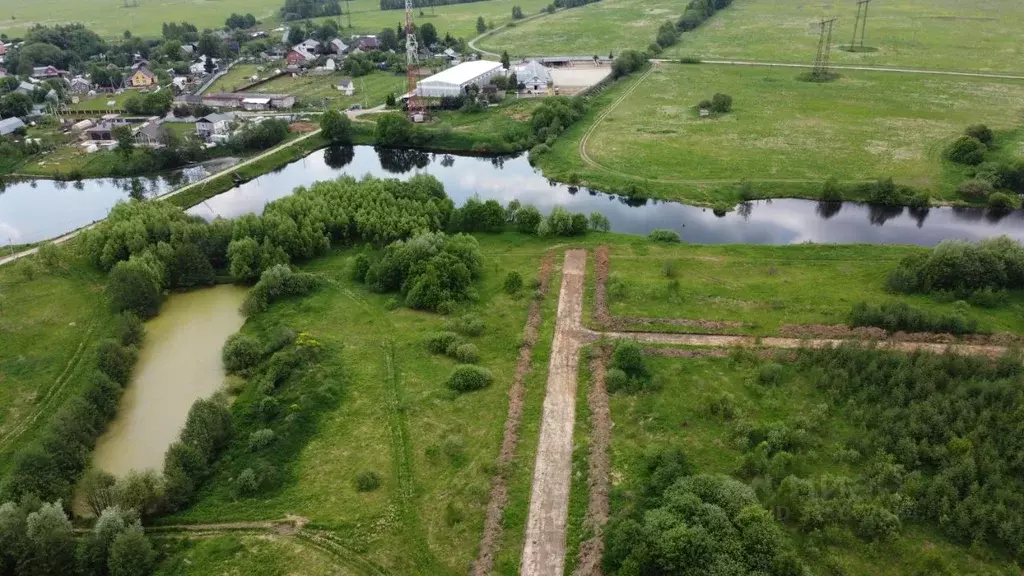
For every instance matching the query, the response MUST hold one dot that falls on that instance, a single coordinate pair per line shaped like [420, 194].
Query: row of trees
[306, 9]
[962, 268]
[898, 316]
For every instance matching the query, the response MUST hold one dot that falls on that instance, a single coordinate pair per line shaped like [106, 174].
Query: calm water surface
[29, 214]
[178, 364]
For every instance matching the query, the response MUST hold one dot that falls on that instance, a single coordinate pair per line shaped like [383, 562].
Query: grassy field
[312, 90]
[238, 75]
[99, 102]
[784, 136]
[766, 286]
[217, 555]
[598, 28]
[50, 322]
[971, 35]
[677, 417]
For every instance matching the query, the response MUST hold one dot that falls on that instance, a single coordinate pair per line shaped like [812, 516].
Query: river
[178, 364]
[504, 179]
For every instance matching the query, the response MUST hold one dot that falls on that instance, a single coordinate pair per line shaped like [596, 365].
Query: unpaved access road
[544, 549]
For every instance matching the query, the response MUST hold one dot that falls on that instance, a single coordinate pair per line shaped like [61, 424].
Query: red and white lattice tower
[411, 61]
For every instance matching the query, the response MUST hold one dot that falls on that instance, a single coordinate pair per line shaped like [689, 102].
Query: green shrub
[468, 324]
[561, 222]
[513, 283]
[920, 200]
[466, 378]
[134, 287]
[662, 235]
[831, 191]
[615, 380]
[260, 439]
[902, 317]
[439, 342]
[527, 219]
[130, 329]
[467, 354]
[670, 268]
[241, 353]
[276, 283]
[721, 103]
[392, 304]
[247, 484]
[360, 265]
[975, 189]
[771, 374]
[1003, 203]
[433, 271]
[599, 222]
[982, 133]
[367, 481]
[966, 150]
[690, 60]
[723, 406]
[115, 361]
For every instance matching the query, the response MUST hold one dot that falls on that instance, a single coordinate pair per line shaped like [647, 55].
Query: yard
[312, 89]
[240, 74]
[972, 35]
[783, 135]
[100, 101]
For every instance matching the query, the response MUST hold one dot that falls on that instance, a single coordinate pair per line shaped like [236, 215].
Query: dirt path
[510, 439]
[599, 468]
[544, 549]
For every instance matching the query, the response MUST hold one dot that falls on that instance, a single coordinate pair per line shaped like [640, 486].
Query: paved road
[544, 549]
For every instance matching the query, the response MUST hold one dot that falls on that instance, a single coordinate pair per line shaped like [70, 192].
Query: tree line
[400, 4]
[962, 269]
[305, 9]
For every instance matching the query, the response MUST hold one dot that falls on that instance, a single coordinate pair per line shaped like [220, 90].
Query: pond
[178, 364]
[34, 210]
[49, 210]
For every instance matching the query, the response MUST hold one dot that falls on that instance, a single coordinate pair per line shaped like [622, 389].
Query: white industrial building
[455, 80]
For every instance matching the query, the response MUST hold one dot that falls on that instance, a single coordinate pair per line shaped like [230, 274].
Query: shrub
[669, 268]
[831, 192]
[241, 353]
[468, 324]
[392, 304]
[115, 361]
[690, 60]
[130, 329]
[975, 189]
[723, 406]
[276, 283]
[981, 132]
[336, 127]
[360, 266]
[367, 481]
[599, 222]
[920, 200]
[467, 354]
[513, 282]
[704, 104]
[260, 439]
[561, 222]
[899, 316]
[770, 374]
[615, 380]
[467, 377]
[439, 342]
[966, 150]
[721, 103]
[1002, 203]
[134, 287]
[662, 235]
[247, 483]
[393, 129]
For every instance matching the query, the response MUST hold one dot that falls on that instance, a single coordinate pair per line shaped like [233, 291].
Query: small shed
[9, 125]
[256, 103]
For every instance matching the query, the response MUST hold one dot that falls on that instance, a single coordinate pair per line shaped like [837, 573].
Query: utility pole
[862, 8]
[821, 61]
[864, 24]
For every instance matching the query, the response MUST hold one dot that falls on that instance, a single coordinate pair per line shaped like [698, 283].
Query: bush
[561, 222]
[975, 189]
[513, 283]
[466, 378]
[966, 150]
[721, 103]
[723, 406]
[134, 287]
[770, 374]
[615, 380]
[527, 219]
[599, 222]
[662, 235]
[276, 283]
[260, 439]
[1003, 203]
[115, 361]
[440, 342]
[669, 268]
[393, 129]
[831, 192]
[982, 133]
[367, 481]
[467, 354]
[902, 317]
[627, 62]
[468, 324]
[130, 329]
[241, 353]
[247, 483]
[690, 60]
[336, 127]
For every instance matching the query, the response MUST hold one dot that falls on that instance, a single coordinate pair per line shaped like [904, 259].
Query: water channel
[178, 364]
[26, 215]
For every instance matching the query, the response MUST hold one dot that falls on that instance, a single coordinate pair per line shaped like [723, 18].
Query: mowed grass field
[768, 286]
[676, 416]
[599, 28]
[223, 554]
[781, 130]
[239, 75]
[970, 35]
[312, 90]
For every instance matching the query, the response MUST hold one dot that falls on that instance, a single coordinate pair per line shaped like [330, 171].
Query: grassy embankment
[973, 35]
[865, 126]
[677, 416]
[264, 554]
[767, 286]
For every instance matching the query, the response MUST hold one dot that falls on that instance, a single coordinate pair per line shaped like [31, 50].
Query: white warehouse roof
[463, 74]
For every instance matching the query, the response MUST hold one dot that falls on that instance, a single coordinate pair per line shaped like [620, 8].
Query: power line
[860, 23]
[821, 60]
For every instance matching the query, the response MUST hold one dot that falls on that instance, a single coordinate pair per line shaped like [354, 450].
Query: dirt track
[599, 468]
[544, 549]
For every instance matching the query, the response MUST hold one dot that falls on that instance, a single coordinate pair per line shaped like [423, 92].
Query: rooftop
[465, 72]
[9, 125]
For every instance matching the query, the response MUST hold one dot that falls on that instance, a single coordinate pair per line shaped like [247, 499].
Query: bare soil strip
[544, 549]
[871, 333]
[598, 468]
[499, 482]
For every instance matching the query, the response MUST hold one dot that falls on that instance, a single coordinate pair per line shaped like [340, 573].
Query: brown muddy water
[178, 364]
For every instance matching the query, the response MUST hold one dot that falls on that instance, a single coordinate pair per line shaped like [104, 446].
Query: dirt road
[544, 549]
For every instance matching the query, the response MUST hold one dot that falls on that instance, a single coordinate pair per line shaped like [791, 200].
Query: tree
[133, 286]
[209, 45]
[393, 129]
[51, 547]
[94, 550]
[388, 39]
[15, 105]
[336, 127]
[505, 60]
[481, 26]
[429, 34]
[517, 13]
[190, 267]
[131, 553]
[125, 139]
[982, 132]
[966, 150]
[389, 100]
[721, 103]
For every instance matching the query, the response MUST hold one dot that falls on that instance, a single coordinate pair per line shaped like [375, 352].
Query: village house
[79, 85]
[339, 47]
[300, 54]
[46, 72]
[9, 126]
[533, 76]
[236, 100]
[142, 78]
[366, 43]
[25, 88]
[150, 134]
[214, 124]
[347, 87]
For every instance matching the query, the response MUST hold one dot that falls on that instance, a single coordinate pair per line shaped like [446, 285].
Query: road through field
[544, 548]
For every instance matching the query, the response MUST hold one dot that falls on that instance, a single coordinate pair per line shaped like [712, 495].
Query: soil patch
[499, 482]
[871, 333]
[598, 468]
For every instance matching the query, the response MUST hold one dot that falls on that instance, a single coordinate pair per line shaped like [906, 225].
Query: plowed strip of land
[544, 549]
[599, 468]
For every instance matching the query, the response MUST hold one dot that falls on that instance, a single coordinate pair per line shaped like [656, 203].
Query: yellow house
[143, 78]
